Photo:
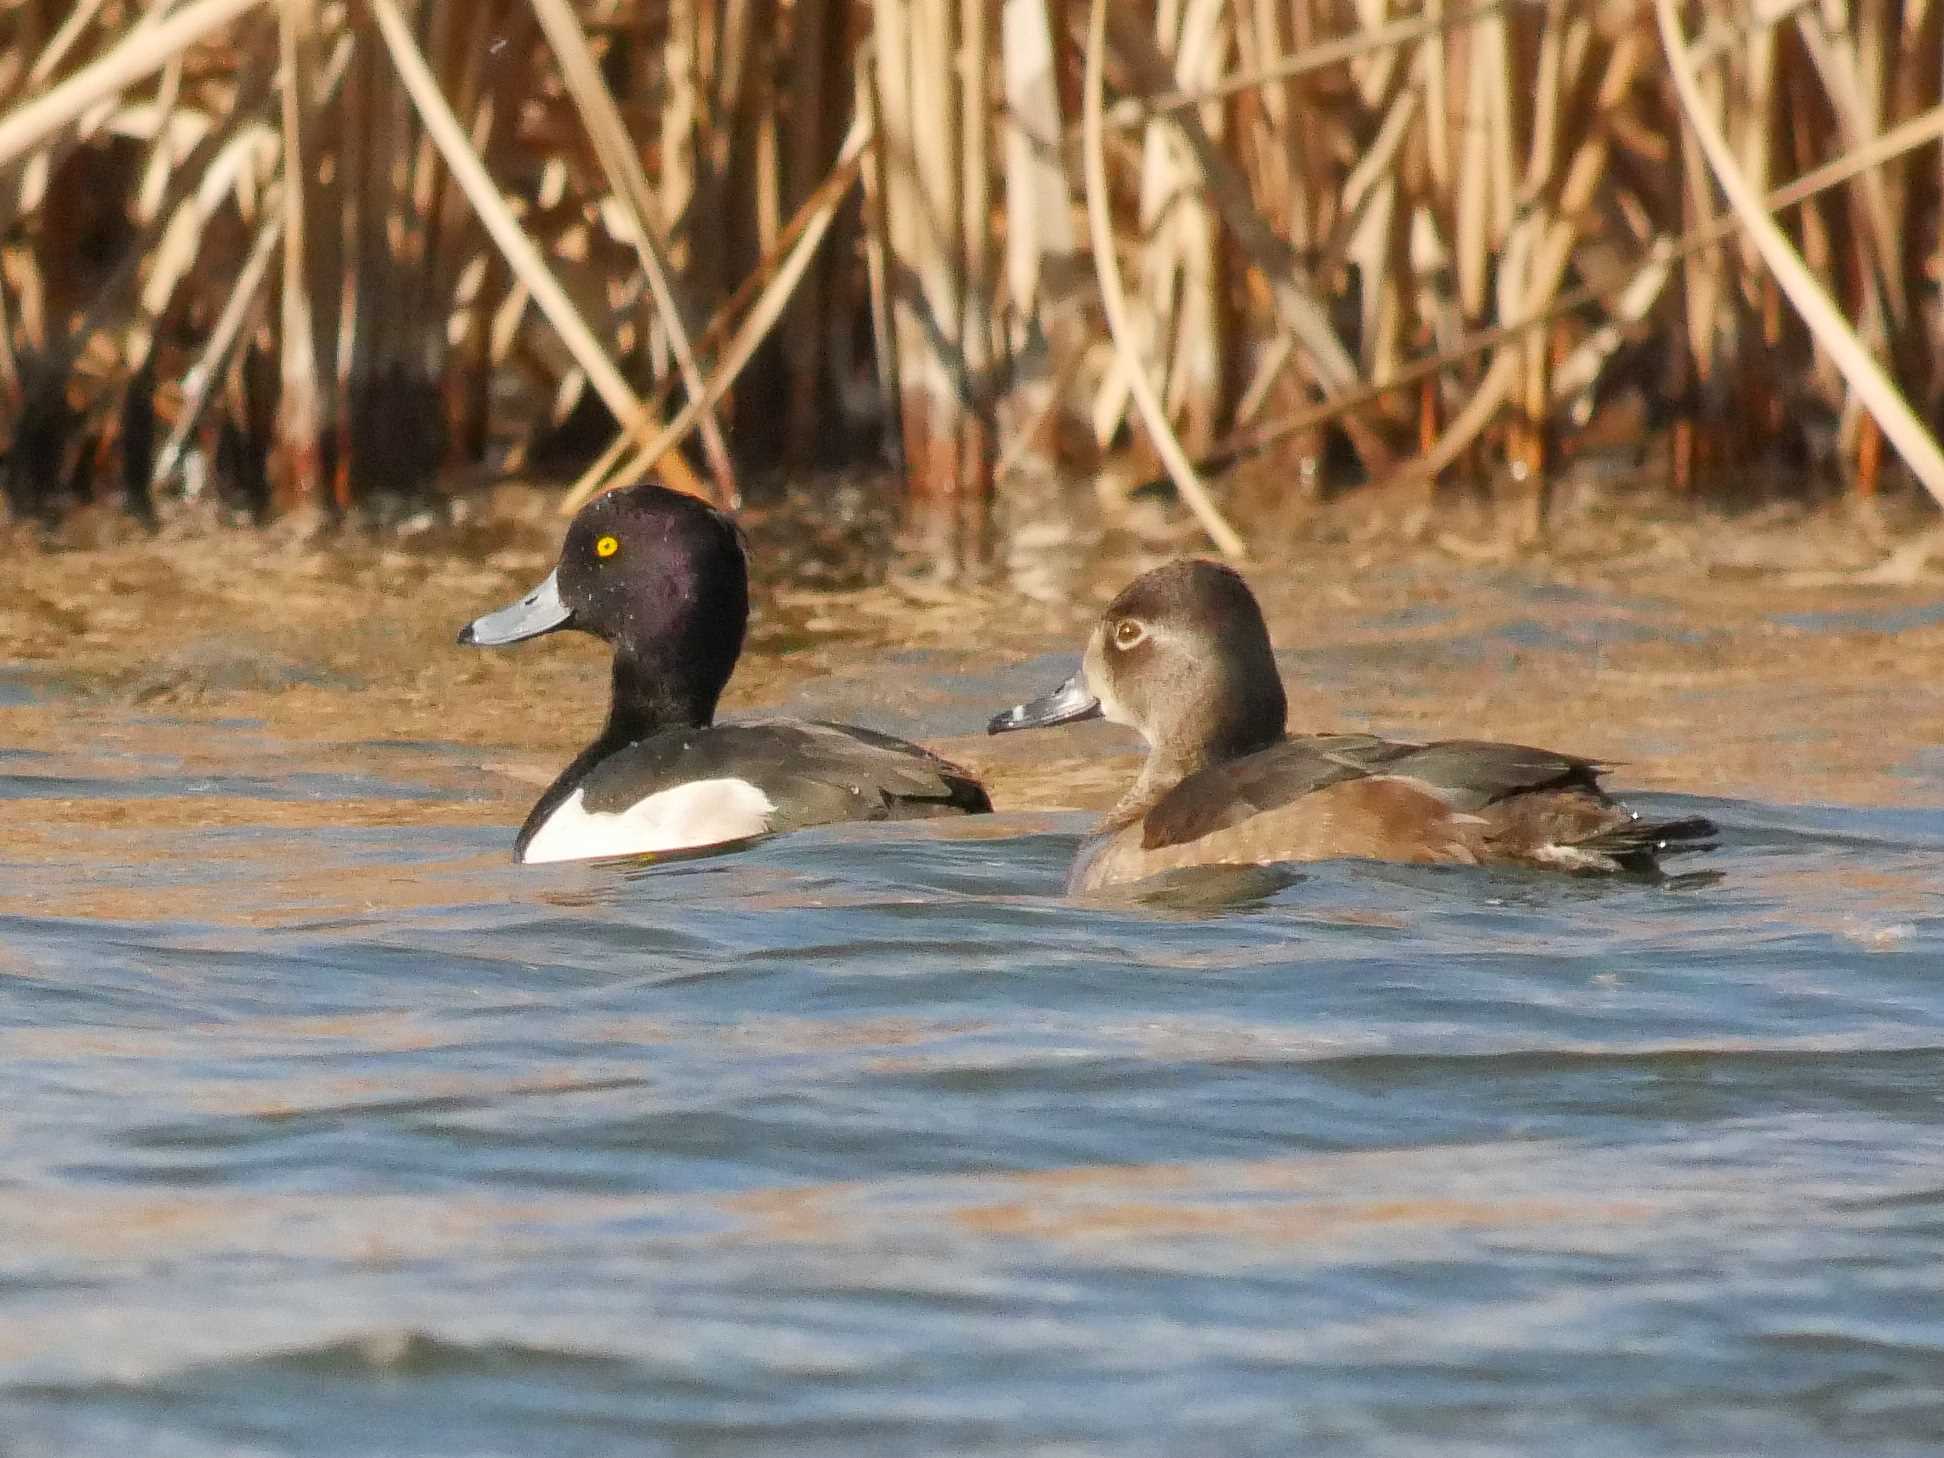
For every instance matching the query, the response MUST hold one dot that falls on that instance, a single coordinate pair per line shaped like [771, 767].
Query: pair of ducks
[1181, 655]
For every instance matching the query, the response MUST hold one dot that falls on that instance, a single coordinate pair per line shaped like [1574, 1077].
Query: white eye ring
[1127, 633]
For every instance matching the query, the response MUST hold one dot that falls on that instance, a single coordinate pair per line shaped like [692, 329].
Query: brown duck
[1182, 655]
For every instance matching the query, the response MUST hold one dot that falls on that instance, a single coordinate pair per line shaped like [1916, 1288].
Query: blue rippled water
[356, 1140]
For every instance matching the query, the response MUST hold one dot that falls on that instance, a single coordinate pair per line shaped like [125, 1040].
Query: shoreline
[1744, 666]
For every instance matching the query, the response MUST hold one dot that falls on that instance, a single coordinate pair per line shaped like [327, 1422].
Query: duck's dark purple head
[659, 575]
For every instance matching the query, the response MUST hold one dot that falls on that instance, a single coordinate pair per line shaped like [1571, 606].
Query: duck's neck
[651, 696]
[1165, 768]
[646, 700]
[1177, 756]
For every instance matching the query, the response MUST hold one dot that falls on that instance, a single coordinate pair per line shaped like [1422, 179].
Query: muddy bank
[1713, 655]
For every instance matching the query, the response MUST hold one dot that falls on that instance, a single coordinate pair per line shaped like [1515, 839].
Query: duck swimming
[662, 578]
[1183, 656]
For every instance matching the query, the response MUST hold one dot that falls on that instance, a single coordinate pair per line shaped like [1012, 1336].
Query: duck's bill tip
[1067, 704]
[540, 611]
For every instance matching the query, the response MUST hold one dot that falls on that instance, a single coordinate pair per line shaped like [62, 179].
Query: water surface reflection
[328, 1131]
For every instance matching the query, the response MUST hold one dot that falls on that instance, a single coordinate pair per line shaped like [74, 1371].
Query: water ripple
[350, 1138]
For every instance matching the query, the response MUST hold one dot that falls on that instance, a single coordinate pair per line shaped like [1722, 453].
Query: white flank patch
[1572, 858]
[702, 812]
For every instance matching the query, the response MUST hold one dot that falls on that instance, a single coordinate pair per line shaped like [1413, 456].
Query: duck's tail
[1638, 845]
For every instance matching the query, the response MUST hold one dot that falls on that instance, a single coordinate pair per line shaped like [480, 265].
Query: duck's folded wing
[1226, 795]
[816, 773]
[906, 780]
[1469, 774]
[1466, 775]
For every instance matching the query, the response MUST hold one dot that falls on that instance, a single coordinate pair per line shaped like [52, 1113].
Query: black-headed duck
[1183, 656]
[662, 578]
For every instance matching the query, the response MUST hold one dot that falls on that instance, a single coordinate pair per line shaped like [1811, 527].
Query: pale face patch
[1099, 681]
[702, 812]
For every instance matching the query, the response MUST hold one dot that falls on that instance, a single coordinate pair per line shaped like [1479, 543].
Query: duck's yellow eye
[1127, 633]
[607, 547]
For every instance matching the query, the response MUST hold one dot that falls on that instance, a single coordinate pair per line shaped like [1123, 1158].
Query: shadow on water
[330, 1132]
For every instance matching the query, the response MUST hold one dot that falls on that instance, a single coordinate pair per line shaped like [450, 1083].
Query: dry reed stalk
[977, 352]
[47, 59]
[413, 224]
[1633, 295]
[1481, 61]
[621, 163]
[877, 235]
[1370, 232]
[680, 121]
[1433, 224]
[1040, 243]
[925, 114]
[904, 222]
[1191, 270]
[1544, 268]
[1848, 58]
[142, 53]
[762, 167]
[734, 47]
[1705, 285]
[502, 85]
[1162, 243]
[815, 61]
[477, 42]
[813, 221]
[1308, 57]
[10, 382]
[521, 253]
[1907, 434]
[300, 414]
[1114, 299]
[23, 273]
[365, 216]
[1290, 289]
[938, 262]
[1858, 227]
[1262, 115]
[1754, 139]
[201, 379]
[1456, 160]
[1520, 289]
[1821, 241]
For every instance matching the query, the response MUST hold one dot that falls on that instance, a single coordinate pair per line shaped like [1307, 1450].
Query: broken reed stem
[1917, 132]
[937, 261]
[145, 51]
[1137, 111]
[816, 218]
[936, 274]
[975, 471]
[513, 242]
[300, 414]
[1912, 440]
[621, 161]
[200, 381]
[1113, 296]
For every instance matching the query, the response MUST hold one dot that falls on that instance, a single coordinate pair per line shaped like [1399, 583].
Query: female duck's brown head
[1181, 655]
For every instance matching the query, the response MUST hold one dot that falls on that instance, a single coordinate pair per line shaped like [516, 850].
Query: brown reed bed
[317, 254]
